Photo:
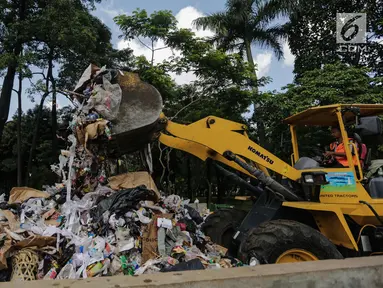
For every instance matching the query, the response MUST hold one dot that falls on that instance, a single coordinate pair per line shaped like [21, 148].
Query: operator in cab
[337, 151]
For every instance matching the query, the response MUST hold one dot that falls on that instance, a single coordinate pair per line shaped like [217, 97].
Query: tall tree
[147, 30]
[69, 36]
[18, 20]
[13, 18]
[19, 113]
[243, 24]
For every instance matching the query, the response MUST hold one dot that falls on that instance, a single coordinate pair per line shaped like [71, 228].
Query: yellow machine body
[212, 136]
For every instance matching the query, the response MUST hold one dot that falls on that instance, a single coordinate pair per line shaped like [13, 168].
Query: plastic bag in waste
[194, 264]
[122, 201]
[125, 245]
[106, 99]
[96, 249]
[190, 225]
[173, 202]
[194, 214]
[115, 267]
[67, 272]
[143, 219]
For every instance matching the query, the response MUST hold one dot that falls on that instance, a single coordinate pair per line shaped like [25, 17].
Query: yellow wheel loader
[314, 213]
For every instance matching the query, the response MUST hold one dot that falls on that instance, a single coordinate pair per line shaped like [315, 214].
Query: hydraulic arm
[227, 142]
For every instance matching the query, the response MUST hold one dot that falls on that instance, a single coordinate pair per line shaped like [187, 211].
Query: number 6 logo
[351, 28]
[350, 24]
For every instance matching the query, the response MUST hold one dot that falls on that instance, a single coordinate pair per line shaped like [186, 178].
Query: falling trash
[91, 225]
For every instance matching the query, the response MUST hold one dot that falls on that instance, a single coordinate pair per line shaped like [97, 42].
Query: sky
[185, 11]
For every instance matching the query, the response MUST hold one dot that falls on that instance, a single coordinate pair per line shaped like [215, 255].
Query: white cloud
[185, 18]
[112, 12]
[263, 61]
[289, 58]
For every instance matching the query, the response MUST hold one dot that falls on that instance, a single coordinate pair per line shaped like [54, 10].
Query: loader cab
[363, 177]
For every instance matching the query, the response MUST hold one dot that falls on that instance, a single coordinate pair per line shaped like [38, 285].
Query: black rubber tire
[220, 226]
[270, 239]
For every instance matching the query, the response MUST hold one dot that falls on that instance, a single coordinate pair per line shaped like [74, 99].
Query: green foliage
[156, 75]
[140, 24]
[219, 75]
[41, 174]
[312, 35]
[244, 22]
[70, 36]
[334, 83]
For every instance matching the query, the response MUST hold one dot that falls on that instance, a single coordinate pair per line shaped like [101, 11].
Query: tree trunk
[19, 112]
[7, 88]
[6, 93]
[250, 59]
[35, 134]
[54, 106]
[37, 124]
[152, 62]
[260, 126]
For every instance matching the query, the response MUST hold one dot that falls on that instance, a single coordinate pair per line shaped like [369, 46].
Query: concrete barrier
[351, 273]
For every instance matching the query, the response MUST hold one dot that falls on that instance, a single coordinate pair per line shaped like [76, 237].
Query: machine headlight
[309, 179]
[314, 178]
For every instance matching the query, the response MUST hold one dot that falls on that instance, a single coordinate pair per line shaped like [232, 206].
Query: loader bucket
[138, 115]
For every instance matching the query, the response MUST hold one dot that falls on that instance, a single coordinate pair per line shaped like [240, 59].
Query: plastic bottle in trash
[25, 226]
[95, 269]
[98, 268]
[108, 133]
[52, 273]
[124, 265]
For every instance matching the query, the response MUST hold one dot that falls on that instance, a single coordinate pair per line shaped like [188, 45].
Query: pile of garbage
[92, 225]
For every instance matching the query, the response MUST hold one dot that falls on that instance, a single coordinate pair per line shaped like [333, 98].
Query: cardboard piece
[22, 194]
[93, 130]
[12, 220]
[80, 135]
[4, 251]
[13, 235]
[132, 180]
[35, 241]
[150, 239]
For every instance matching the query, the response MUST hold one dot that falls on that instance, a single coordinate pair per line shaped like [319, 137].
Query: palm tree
[247, 22]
